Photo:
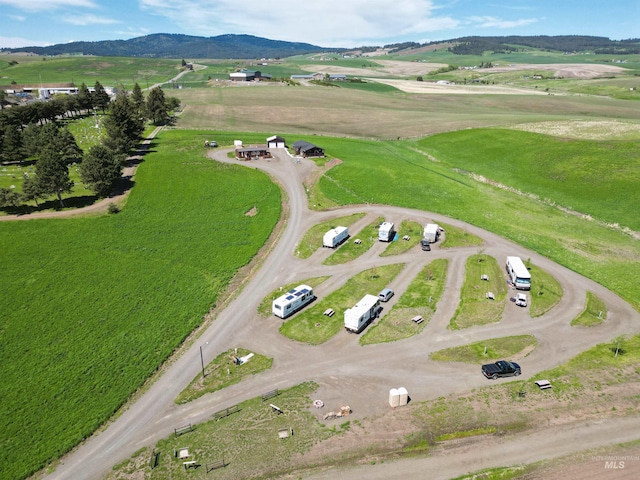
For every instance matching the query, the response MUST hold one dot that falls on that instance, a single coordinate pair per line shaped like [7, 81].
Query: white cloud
[325, 22]
[130, 33]
[16, 42]
[89, 19]
[493, 22]
[40, 5]
[17, 18]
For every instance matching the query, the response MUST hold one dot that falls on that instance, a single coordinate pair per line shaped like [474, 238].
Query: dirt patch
[387, 68]
[567, 70]
[252, 213]
[413, 86]
[587, 130]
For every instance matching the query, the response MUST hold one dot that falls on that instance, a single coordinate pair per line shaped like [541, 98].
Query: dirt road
[358, 376]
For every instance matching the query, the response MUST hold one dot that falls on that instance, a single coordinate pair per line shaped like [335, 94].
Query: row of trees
[52, 147]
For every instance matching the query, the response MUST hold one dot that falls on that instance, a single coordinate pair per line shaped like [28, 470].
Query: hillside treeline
[162, 45]
[561, 43]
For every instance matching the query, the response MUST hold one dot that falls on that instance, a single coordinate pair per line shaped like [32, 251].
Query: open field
[593, 187]
[109, 71]
[316, 110]
[93, 306]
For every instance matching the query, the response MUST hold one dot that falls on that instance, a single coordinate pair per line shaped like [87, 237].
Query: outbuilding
[306, 149]
[276, 142]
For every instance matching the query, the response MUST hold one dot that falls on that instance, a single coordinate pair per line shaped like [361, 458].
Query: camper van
[362, 313]
[518, 274]
[335, 237]
[386, 233]
[431, 232]
[292, 301]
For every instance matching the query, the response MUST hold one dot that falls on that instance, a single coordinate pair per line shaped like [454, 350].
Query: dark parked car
[501, 368]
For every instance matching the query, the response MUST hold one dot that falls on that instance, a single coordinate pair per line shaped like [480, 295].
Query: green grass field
[594, 313]
[599, 179]
[109, 71]
[475, 308]
[486, 351]
[222, 372]
[420, 298]
[546, 291]
[92, 306]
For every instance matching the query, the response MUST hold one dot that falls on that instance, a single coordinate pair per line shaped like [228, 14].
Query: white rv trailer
[362, 313]
[431, 232]
[335, 237]
[386, 233]
[518, 273]
[292, 301]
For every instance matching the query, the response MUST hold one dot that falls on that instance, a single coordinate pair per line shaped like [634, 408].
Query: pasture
[345, 112]
[109, 71]
[92, 306]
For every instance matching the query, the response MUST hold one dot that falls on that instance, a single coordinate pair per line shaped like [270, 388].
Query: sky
[325, 23]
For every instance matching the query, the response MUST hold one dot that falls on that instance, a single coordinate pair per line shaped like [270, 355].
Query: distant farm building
[307, 149]
[337, 77]
[248, 76]
[253, 152]
[275, 142]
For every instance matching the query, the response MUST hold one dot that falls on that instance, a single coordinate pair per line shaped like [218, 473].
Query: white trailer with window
[431, 232]
[362, 313]
[335, 237]
[518, 273]
[386, 232]
[292, 301]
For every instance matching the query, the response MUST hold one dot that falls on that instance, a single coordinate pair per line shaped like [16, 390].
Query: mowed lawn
[92, 306]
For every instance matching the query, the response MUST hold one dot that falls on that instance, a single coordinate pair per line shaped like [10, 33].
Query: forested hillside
[164, 45]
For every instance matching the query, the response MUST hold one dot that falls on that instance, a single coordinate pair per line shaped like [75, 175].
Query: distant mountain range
[162, 45]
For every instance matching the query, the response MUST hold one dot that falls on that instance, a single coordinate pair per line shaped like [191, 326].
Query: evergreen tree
[85, 101]
[137, 101]
[53, 174]
[100, 97]
[157, 106]
[101, 169]
[31, 189]
[122, 125]
[12, 148]
[9, 198]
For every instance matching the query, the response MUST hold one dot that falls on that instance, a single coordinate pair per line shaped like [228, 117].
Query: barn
[307, 149]
[276, 142]
[244, 76]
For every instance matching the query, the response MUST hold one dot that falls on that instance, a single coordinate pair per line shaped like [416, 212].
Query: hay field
[335, 111]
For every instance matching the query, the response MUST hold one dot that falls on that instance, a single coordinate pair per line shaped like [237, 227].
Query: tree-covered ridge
[162, 45]
[560, 43]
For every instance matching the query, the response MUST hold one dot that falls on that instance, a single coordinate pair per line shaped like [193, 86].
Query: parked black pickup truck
[501, 368]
